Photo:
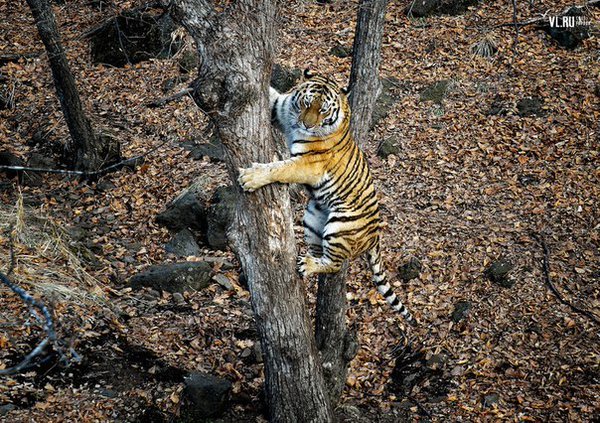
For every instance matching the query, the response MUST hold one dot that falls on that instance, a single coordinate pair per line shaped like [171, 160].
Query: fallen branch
[514, 3]
[546, 270]
[15, 57]
[162, 101]
[48, 328]
[103, 171]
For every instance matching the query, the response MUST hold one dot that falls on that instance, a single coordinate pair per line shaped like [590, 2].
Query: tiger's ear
[307, 73]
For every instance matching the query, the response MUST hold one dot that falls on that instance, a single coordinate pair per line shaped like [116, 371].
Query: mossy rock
[389, 146]
[499, 273]
[435, 92]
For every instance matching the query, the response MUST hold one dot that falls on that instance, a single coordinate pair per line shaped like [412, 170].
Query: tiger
[342, 219]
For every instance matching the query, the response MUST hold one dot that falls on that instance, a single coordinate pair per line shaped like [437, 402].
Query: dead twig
[546, 270]
[514, 3]
[133, 161]
[162, 101]
[11, 249]
[48, 326]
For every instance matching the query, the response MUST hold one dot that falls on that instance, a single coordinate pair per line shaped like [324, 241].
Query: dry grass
[40, 253]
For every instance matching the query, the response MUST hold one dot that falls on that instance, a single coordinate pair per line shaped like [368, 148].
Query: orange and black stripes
[342, 220]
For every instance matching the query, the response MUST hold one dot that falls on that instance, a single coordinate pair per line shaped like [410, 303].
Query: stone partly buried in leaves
[499, 273]
[206, 396]
[410, 270]
[174, 277]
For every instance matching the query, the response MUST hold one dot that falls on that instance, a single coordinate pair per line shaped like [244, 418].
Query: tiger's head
[321, 106]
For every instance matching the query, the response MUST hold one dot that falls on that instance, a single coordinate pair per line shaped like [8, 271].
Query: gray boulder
[206, 396]
[183, 244]
[174, 277]
[188, 210]
[282, 78]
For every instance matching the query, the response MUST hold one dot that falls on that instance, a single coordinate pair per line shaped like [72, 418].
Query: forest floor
[471, 181]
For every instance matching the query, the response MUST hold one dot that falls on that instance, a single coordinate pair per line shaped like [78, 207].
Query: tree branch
[48, 327]
[162, 101]
[546, 270]
[100, 172]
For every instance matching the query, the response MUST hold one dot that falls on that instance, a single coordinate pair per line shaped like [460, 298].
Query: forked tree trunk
[336, 342]
[236, 53]
[88, 150]
[365, 85]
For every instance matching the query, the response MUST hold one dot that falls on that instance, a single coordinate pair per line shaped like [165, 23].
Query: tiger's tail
[383, 286]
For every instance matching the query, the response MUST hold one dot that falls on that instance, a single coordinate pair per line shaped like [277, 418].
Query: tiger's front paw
[306, 266]
[253, 177]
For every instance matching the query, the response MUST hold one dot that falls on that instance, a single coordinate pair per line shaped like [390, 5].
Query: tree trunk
[88, 150]
[336, 343]
[365, 85]
[236, 52]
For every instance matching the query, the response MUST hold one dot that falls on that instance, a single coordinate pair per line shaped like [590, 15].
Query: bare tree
[365, 85]
[236, 54]
[89, 151]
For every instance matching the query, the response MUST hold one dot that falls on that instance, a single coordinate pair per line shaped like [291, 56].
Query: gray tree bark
[337, 344]
[365, 85]
[88, 150]
[236, 53]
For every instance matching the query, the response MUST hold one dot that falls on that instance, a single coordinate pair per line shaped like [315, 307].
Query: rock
[499, 273]
[569, 29]
[385, 101]
[188, 61]
[457, 371]
[206, 396]
[132, 37]
[389, 146]
[105, 186]
[178, 298]
[213, 149]
[435, 92]
[107, 393]
[188, 210]
[436, 361]
[6, 408]
[497, 108]
[410, 270]
[340, 51]
[173, 82]
[77, 233]
[9, 159]
[220, 215]
[422, 8]
[530, 106]
[490, 400]
[461, 310]
[39, 161]
[283, 79]
[183, 244]
[224, 281]
[174, 277]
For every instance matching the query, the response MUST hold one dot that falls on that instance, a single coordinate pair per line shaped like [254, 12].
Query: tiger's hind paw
[307, 265]
[301, 267]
